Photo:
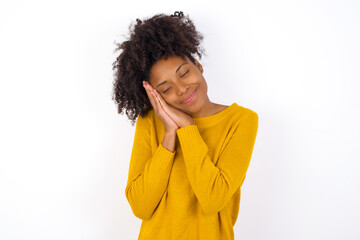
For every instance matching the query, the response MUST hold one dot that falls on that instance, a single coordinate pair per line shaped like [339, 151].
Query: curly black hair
[150, 40]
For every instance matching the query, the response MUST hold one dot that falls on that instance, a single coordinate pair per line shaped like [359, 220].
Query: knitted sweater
[193, 192]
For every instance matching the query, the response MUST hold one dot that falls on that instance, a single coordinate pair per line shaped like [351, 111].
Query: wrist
[188, 123]
[170, 132]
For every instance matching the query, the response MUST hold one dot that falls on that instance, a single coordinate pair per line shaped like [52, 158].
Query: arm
[215, 185]
[148, 173]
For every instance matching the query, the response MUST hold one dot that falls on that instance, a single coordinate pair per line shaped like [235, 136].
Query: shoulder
[221, 107]
[245, 114]
[148, 119]
[144, 119]
[251, 114]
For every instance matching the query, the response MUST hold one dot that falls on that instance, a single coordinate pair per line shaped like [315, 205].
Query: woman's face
[176, 80]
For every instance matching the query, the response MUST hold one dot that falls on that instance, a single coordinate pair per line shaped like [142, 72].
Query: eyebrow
[175, 72]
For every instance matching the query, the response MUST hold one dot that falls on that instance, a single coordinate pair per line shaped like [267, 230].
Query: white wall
[65, 151]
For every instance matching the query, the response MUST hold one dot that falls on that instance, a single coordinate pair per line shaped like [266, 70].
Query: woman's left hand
[180, 117]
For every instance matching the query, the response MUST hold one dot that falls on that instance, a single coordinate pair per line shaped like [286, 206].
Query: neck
[208, 109]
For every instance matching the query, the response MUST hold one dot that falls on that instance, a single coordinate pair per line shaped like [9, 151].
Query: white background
[65, 150]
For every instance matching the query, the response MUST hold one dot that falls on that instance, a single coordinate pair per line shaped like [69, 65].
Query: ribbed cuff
[190, 137]
[163, 157]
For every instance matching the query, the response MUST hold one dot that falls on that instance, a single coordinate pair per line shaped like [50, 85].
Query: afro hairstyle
[150, 40]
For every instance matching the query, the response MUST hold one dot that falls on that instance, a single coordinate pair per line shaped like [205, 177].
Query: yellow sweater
[194, 192]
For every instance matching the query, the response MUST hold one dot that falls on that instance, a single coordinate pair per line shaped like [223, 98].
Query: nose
[183, 89]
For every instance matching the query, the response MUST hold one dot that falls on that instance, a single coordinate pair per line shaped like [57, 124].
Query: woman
[190, 155]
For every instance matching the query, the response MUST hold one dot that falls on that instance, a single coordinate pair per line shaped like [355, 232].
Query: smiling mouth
[191, 97]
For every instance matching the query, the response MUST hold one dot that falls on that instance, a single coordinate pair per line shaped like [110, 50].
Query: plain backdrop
[65, 150]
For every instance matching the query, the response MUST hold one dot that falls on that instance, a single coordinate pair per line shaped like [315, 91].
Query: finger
[161, 103]
[156, 101]
[148, 88]
[150, 96]
[148, 85]
[160, 99]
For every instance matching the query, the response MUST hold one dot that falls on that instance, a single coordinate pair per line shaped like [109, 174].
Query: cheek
[171, 99]
[164, 97]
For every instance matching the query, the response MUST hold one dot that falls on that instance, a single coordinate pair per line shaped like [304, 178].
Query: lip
[191, 97]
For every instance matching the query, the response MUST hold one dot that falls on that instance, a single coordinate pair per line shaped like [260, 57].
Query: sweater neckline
[215, 117]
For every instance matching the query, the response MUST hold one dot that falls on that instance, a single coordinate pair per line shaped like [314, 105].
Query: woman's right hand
[170, 125]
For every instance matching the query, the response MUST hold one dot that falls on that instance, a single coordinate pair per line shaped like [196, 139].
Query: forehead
[167, 66]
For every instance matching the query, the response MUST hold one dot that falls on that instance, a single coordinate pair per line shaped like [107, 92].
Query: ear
[199, 66]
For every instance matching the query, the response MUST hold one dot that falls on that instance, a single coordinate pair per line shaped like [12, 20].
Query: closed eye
[181, 76]
[185, 73]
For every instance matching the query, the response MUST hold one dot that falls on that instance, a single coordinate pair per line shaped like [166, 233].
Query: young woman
[190, 155]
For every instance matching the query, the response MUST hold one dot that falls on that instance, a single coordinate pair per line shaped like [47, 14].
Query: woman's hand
[169, 124]
[167, 114]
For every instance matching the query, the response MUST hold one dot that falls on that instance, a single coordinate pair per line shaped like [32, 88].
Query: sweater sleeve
[148, 173]
[212, 184]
